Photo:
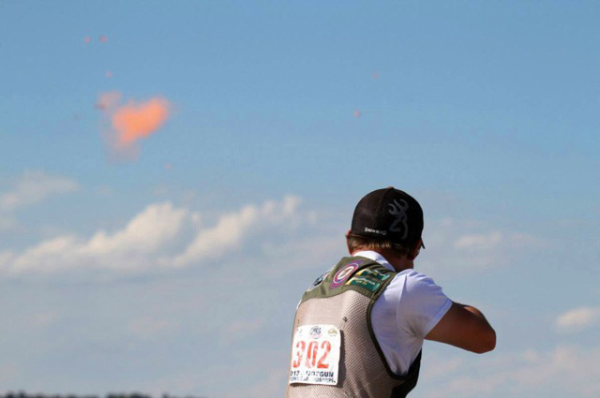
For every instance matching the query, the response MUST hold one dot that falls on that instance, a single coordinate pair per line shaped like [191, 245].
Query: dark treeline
[22, 394]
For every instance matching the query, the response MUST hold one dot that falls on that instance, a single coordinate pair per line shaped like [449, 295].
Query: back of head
[386, 218]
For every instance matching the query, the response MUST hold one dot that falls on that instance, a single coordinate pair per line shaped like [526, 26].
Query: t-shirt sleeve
[423, 304]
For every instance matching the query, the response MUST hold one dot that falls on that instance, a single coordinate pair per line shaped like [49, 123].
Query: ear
[414, 253]
[347, 245]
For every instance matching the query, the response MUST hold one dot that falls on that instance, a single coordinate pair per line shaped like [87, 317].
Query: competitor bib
[316, 355]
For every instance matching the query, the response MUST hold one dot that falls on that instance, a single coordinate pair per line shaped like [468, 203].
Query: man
[359, 329]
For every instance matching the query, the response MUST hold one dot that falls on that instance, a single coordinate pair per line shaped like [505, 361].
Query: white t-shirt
[405, 313]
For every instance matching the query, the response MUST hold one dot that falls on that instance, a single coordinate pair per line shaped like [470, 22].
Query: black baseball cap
[390, 214]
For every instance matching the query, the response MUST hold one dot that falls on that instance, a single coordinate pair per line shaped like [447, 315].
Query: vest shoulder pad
[360, 274]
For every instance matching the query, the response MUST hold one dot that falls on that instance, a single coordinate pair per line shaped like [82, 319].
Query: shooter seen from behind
[359, 328]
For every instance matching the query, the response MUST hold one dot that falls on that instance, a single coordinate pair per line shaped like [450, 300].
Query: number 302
[311, 354]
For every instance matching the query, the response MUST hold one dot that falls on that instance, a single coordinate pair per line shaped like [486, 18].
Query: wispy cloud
[232, 228]
[144, 234]
[469, 245]
[127, 249]
[578, 318]
[147, 240]
[486, 241]
[33, 187]
[563, 371]
[149, 327]
[241, 328]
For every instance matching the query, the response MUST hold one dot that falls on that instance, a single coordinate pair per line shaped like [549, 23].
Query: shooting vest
[342, 300]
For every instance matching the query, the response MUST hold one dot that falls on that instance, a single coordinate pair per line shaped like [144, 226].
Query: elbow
[487, 343]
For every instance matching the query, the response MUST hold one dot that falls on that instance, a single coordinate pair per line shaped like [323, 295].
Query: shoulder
[411, 290]
[413, 283]
[418, 301]
[418, 283]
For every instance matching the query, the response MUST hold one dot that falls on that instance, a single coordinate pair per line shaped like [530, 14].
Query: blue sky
[178, 270]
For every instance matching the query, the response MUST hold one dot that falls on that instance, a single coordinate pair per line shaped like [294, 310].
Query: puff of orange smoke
[133, 122]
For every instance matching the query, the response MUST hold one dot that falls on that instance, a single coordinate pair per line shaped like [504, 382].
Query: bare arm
[465, 327]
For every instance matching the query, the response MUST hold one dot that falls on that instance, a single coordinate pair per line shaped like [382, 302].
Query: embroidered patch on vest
[318, 281]
[373, 273]
[340, 277]
[362, 281]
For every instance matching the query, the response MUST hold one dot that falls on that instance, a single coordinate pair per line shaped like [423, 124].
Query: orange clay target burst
[133, 122]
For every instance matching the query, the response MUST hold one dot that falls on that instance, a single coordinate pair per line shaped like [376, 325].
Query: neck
[400, 263]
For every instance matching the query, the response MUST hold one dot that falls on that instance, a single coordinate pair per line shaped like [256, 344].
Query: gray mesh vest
[345, 299]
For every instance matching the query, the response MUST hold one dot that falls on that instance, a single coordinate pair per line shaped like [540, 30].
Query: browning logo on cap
[399, 210]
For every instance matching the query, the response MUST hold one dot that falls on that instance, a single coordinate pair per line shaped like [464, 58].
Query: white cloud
[569, 368]
[313, 250]
[104, 190]
[145, 233]
[148, 327]
[232, 228]
[441, 367]
[241, 328]
[468, 245]
[562, 371]
[147, 241]
[489, 241]
[479, 241]
[578, 318]
[33, 187]
[128, 249]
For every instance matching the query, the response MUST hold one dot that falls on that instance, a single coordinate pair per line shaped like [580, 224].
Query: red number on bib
[301, 345]
[327, 346]
[311, 355]
[310, 359]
